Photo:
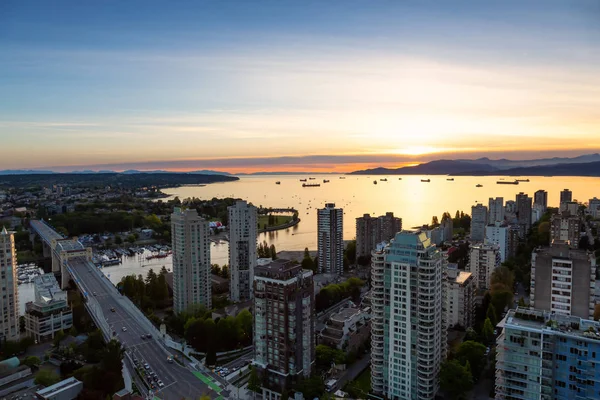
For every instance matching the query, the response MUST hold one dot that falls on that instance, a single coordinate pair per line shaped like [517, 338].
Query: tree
[491, 314]
[455, 379]
[73, 331]
[488, 331]
[32, 361]
[350, 252]
[311, 388]
[60, 335]
[46, 377]
[521, 302]
[503, 275]
[273, 252]
[254, 383]
[211, 357]
[325, 356]
[473, 353]
[434, 221]
[118, 240]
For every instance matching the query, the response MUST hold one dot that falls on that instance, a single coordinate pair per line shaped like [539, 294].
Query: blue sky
[119, 83]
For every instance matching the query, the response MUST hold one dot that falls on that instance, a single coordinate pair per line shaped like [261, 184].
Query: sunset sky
[236, 86]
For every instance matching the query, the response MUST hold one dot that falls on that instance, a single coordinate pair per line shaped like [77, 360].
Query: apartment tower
[330, 225]
[370, 231]
[284, 325]
[408, 331]
[242, 250]
[540, 198]
[483, 260]
[496, 210]
[523, 205]
[191, 260]
[9, 303]
[479, 214]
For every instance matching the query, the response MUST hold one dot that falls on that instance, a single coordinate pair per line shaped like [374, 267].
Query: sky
[275, 85]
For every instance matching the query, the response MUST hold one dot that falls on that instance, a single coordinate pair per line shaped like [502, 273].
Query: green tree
[307, 261]
[273, 252]
[521, 302]
[312, 387]
[488, 331]
[244, 321]
[491, 314]
[254, 383]
[46, 377]
[455, 379]
[58, 337]
[473, 353]
[32, 361]
[325, 356]
[211, 357]
[73, 331]
[118, 240]
[350, 252]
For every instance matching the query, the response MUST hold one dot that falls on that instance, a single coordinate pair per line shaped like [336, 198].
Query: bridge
[117, 317]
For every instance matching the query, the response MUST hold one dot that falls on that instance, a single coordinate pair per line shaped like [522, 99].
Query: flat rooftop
[57, 387]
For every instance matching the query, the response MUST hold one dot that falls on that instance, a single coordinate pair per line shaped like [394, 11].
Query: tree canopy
[455, 379]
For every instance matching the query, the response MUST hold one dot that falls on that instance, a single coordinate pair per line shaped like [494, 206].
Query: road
[128, 325]
[353, 371]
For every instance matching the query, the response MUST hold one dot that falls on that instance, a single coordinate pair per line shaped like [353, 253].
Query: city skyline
[241, 85]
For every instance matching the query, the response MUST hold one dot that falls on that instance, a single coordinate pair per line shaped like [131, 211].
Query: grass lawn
[279, 220]
[363, 381]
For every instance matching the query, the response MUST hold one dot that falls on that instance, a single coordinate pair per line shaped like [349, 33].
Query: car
[94, 293]
[146, 366]
[149, 336]
[160, 384]
[143, 336]
[112, 309]
[124, 329]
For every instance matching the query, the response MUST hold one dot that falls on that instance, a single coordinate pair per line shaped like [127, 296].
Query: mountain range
[586, 165]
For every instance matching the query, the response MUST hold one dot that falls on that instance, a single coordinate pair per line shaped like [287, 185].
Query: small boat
[383, 180]
[278, 183]
[342, 177]
[479, 185]
[302, 180]
[522, 180]
[312, 179]
[325, 181]
[374, 182]
[449, 179]
[507, 182]
[399, 179]
[425, 180]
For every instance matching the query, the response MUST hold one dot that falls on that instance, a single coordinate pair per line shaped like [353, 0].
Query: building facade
[191, 260]
[565, 228]
[563, 280]
[284, 325]
[460, 297]
[408, 331]
[566, 196]
[330, 225]
[479, 214]
[497, 234]
[483, 260]
[242, 250]
[523, 204]
[547, 356]
[49, 313]
[540, 198]
[370, 231]
[496, 210]
[9, 302]
[347, 330]
[594, 207]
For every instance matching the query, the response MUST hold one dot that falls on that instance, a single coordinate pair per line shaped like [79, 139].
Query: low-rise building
[460, 297]
[347, 330]
[49, 312]
[67, 389]
[547, 356]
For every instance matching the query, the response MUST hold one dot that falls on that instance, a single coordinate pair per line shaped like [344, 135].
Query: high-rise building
[9, 303]
[497, 235]
[479, 215]
[523, 204]
[408, 331]
[566, 228]
[513, 240]
[460, 297]
[565, 196]
[191, 260]
[483, 260]
[563, 280]
[537, 211]
[547, 356]
[284, 325]
[594, 207]
[510, 208]
[370, 231]
[496, 210]
[49, 313]
[540, 198]
[330, 225]
[242, 250]
[447, 228]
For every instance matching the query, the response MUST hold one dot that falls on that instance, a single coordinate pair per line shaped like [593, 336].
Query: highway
[128, 325]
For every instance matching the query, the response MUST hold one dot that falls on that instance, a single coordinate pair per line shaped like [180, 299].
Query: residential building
[479, 215]
[242, 249]
[460, 297]
[537, 211]
[569, 207]
[9, 303]
[284, 325]
[496, 210]
[497, 234]
[594, 207]
[540, 198]
[50, 312]
[563, 280]
[371, 230]
[483, 260]
[523, 204]
[408, 331]
[330, 225]
[191, 260]
[513, 240]
[565, 196]
[510, 208]
[546, 356]
[566, 228]
[447, 228]
[347, 330]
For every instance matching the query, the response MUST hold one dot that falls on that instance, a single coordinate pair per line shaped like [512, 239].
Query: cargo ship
[311, 185]
[507, 182]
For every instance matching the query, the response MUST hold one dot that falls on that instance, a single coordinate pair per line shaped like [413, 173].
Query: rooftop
[345, 313]
[53, 389]
[47, 289]
[560, 249]
[561, 324]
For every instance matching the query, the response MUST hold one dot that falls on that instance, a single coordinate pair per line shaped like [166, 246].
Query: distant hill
[574, 169]
[23, 172]
[507, 164]
[439, 167]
